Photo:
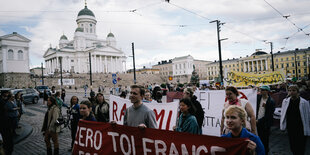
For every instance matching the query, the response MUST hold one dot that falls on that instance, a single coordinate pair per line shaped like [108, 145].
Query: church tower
[86, 29]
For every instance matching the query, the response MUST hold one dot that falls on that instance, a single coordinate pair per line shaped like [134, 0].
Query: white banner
[66, 82]
[165, 113]
[213, 103]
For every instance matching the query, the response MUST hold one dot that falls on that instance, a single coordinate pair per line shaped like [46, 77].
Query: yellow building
[294, 63]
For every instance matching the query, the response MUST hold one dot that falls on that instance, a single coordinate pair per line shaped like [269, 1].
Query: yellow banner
[240, 79]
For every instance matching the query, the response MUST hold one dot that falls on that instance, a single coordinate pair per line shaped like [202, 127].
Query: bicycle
[65, 120]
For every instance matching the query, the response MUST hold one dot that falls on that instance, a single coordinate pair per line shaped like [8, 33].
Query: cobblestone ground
[34, 144]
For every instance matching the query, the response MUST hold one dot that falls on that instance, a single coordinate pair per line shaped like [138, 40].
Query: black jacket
[267, 120]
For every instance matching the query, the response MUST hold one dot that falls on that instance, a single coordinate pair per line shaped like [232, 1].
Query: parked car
[30, 95]
[41, 89]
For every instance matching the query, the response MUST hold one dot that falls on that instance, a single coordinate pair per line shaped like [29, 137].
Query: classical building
[14, 57]
[181, 68]
[73, 55]
[294, 63]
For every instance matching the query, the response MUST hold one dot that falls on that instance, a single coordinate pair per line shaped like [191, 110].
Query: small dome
[259, 53]
[86, 11]
[110, 35]
[79, 29]
[63, 37]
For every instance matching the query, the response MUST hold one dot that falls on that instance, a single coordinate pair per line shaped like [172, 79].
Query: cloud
[162, 31]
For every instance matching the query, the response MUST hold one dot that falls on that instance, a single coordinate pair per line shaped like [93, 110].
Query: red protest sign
[103, 138]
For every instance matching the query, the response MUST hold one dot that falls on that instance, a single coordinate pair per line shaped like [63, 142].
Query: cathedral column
[111, 66]
[266, 64]
[257, 65]
[100, 64]
[248, 66]
[261, 65]
[106, 64]
[79, 64]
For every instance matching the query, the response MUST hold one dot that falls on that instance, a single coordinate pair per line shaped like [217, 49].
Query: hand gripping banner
[97, 138]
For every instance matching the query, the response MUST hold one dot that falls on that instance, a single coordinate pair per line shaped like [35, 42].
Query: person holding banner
[187, 121]
[50, 129]
[295, 117]
[235, 117]
[102, 109]
[139, 115]
[232, 99]
[264, 114]
[86, 111]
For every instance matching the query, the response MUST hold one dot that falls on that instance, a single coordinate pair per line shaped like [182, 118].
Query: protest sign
[96, 138]
[241, 79]
[165, 113]
[212, 103]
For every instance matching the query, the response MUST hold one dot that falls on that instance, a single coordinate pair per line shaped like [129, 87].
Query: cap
[265, 87]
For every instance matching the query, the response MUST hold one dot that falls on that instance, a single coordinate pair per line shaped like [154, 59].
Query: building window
[287, 65]
[10, 54]
[305, 71]
[277, 66]
[305, 63]
[297, 57]
[292, 64]
[292, 58]
[286, 59]
[298, 63]
[276, 60]
[91, 30]
[72, 60]
[20, 55]
[282, 65]
[293, 71]
[281, 59]
[298, 70]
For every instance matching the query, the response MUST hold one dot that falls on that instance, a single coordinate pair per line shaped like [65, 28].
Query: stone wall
[16, 80]
[100, 79]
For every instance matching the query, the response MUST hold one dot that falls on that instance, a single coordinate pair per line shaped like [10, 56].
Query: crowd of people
[238, 116]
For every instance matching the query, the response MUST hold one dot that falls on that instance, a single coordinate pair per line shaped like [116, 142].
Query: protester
[198, 111]
[102, 109]
[235, 117]
[123, 95]
[75, 112]
[295, 117]
[19, 104]
[53, 91]
[232, 99]
[187, 121]
[92, 100]
[12, 113]
[63, 94]
[59, 101]
[147, 97]
[86, 111]
[139, 115]
[264, 113]
[50, 129]
[5, 131]
[45, 96]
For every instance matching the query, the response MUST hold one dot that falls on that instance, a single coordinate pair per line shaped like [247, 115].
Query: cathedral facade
[75, 55]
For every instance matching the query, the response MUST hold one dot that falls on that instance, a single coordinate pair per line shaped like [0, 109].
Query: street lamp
[134, 64]
[271, 47]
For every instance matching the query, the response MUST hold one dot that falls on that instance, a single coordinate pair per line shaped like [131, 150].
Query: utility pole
[60, 60]
[42, 74]
[90, 76]
[218, 24]
[134, 65]
[271, 48]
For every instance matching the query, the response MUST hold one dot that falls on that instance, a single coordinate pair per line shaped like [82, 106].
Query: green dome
[86, 11]
[63, 37]
[110, 35]
[79, 29]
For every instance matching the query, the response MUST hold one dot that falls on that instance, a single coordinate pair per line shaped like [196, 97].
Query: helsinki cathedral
[73, 55]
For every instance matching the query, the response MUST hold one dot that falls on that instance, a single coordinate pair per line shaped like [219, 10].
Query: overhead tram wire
[286, 17]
